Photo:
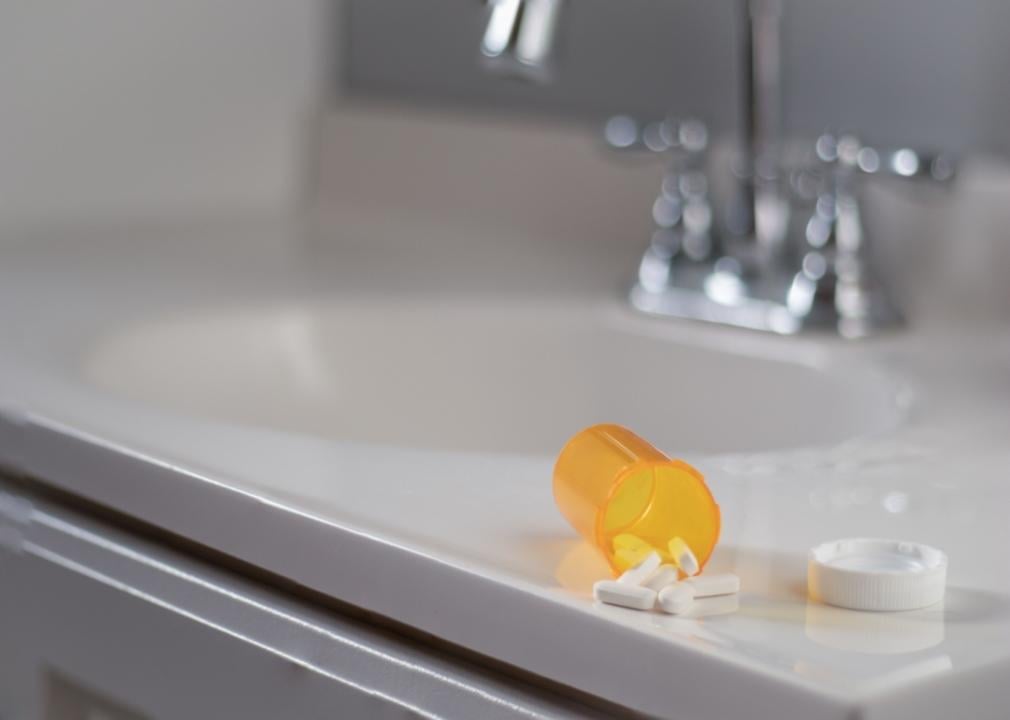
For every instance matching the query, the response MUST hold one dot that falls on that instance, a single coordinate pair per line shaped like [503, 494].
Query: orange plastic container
[610, 484]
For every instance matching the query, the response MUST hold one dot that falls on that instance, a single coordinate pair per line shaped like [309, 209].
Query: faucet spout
[520, 36]
[762, 212]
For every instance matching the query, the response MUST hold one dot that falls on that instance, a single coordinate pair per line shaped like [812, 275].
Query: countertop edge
[455, 605]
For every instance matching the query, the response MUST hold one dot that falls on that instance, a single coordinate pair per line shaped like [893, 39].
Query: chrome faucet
[777, 243]
[519, 37]
[796, 259]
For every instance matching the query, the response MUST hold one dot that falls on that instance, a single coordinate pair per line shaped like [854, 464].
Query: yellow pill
[627, 541]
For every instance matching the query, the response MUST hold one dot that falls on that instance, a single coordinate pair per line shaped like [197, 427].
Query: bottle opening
[650, 506]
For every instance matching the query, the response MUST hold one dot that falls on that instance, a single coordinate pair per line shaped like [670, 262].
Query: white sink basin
[501, 376]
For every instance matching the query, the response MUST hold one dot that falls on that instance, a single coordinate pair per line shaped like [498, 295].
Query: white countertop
[467, 546]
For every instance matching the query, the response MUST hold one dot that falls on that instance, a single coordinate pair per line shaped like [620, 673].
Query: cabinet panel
[97, 622]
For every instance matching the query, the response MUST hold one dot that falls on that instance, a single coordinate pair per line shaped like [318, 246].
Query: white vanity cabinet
[97, 623]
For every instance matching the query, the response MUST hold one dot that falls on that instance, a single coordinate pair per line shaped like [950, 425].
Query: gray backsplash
[925, 72]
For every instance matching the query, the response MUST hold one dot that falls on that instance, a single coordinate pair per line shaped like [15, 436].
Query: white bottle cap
[872, 574]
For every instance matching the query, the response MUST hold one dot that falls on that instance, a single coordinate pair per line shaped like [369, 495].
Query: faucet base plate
[695, 304]
[786, 304]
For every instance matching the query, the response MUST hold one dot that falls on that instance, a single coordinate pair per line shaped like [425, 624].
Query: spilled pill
[683, 556]
[637, 574]
[717, 584]
[664, 575]
[613, 592]
[677, 598]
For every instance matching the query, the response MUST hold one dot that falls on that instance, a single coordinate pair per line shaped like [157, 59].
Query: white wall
[136, 108]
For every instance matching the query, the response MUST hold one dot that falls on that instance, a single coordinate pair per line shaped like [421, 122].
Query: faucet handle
[835, 164]
[688, 135]
[682, 210]
[849, 152]
[836, 282]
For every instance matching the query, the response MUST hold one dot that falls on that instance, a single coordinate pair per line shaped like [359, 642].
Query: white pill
[625, 595]
[677, 598]
[637, 574]
[663, 576]
[683, 556]
[718, 584]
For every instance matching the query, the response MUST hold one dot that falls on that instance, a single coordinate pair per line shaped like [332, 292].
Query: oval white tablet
[637, 574]
[714, 584]
[635, 597]
[677, 598]
[663, 576]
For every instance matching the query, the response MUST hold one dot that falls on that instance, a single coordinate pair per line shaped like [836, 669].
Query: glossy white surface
[910, 439]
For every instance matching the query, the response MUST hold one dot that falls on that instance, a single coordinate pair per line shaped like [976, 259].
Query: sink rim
[776, 355]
